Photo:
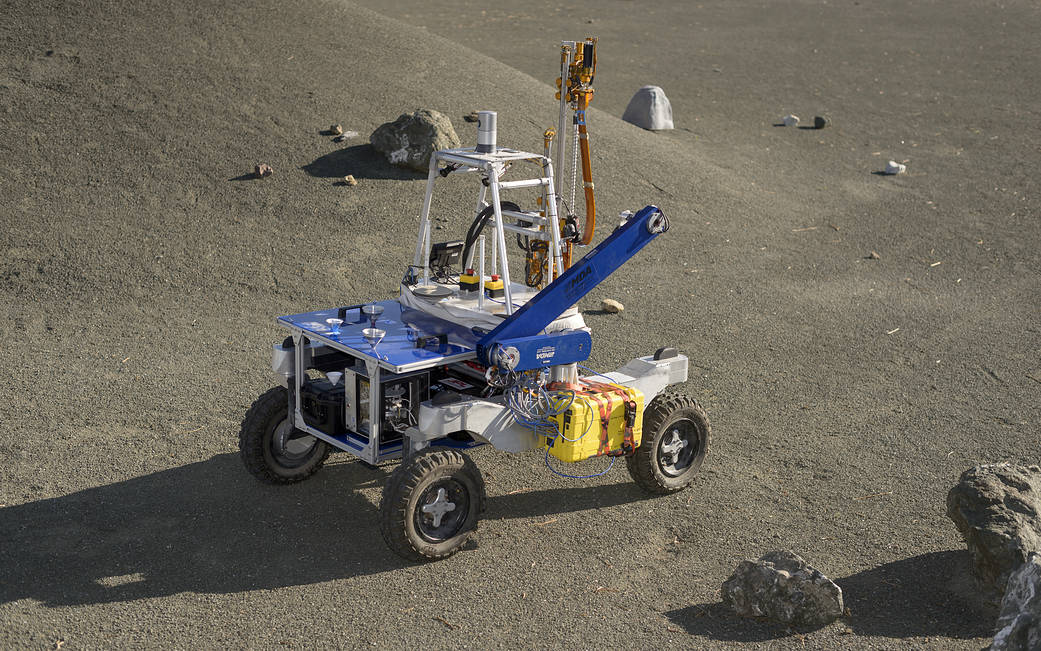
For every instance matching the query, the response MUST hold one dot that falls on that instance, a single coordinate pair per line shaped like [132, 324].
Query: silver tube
[422, 256]
[562, 131]
[554, 224]
[480, 273]
[481, 205]
[486, 131]
[500, 235]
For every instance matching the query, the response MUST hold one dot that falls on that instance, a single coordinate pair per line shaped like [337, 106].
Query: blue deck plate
[398, 351]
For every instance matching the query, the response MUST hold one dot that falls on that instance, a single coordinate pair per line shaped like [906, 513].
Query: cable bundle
[532, 404]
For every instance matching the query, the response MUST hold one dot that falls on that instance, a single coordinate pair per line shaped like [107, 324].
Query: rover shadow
[205, 527]
[362, 162]
[209, 527]
[540, 503]
[922, 596]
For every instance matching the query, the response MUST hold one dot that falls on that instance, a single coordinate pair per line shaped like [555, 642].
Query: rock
[336, 129]
[350, 180]
[785, 588]
[997, 509]
[413, 137]
[471, 116]
[874, 256]
[893, 167]
[262, 170]
[611, 306]
[820, 122]
[649, 109]
[790, 120]
[1019, 624]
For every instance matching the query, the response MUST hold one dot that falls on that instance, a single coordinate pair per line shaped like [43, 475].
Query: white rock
[893, 167]
[790, 120]
[611, 306]
[649, 109]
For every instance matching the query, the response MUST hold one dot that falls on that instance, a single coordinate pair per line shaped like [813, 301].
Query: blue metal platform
[400, 350]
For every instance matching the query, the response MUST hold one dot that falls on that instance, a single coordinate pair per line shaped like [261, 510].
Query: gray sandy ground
[140, 274]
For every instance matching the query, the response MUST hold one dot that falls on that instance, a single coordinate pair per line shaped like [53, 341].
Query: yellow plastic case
[582, 423]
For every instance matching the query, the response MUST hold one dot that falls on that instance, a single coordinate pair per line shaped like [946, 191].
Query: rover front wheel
[431, 504]
[674, 444]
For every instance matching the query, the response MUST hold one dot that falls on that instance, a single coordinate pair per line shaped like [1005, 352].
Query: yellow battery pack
[582, 427]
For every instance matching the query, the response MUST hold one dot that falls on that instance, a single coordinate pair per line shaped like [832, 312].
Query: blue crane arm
[577, 281]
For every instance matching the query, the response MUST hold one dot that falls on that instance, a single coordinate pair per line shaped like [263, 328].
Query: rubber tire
[255, 438]
[406, 486]
[658, 420]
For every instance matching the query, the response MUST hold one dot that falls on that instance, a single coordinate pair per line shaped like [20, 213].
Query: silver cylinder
[486, 132]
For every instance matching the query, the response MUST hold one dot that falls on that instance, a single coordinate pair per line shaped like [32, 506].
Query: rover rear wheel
[272, 449]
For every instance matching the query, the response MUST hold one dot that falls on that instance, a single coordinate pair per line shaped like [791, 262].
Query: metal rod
[525, 183]
[500, 235]
[480, 273]
[554, 228]
[481, 205]
[422, 256]
[566, 56]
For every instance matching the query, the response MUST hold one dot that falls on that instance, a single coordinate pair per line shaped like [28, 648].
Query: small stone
[893, 167]
[820, 122]
[783, 587]
[611, 306]
[471, 116]
[346, 135]
[350, 180]
[262, 170]
[336, 129]
[790, 120]
[874, 256]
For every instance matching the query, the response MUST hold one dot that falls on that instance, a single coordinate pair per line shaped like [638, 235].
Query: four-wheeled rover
[465, 356]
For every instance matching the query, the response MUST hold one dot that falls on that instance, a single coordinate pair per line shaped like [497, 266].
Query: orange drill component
[584, 97]
[580, 93]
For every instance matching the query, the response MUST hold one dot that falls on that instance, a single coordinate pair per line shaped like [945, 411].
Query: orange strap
[603, 390]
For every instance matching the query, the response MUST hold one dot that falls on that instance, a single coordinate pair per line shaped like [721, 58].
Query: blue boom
[532, 318]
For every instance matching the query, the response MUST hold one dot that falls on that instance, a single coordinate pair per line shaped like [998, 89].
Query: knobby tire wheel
[272, 449]
[675, 441]
[431, 504]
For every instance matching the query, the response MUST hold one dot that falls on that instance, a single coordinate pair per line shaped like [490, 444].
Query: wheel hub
[672, 448]
[439, 507]
[290, 445]
[441, 510]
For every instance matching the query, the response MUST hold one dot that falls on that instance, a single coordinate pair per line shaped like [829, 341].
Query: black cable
[479, 223]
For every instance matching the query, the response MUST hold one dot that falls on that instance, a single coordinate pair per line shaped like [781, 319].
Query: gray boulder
[650, 109]
[410, 140]
[783, 587]
[996, 508]
[1019, 625]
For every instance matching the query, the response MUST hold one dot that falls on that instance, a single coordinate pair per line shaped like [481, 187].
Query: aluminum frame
[493, 166]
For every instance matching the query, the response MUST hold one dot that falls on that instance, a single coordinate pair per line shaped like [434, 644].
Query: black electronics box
[323, 407]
